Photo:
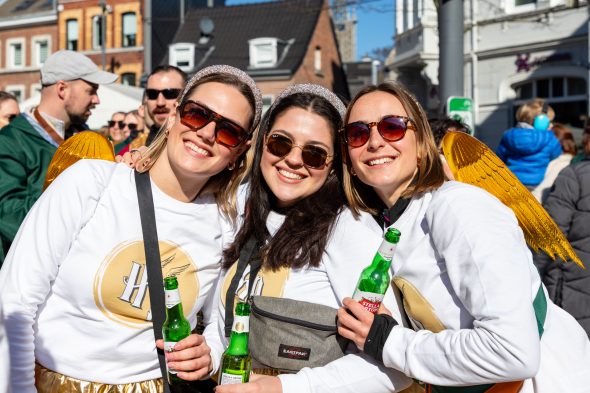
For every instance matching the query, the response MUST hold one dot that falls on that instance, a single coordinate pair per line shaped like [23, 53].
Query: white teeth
[290, 175]
[196, 148]
[380, 161]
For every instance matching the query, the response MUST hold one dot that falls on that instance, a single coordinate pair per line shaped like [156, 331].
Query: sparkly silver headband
[229, 70]
[310, 88]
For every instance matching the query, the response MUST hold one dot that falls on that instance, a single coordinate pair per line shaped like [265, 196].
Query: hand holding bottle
[354, 321]
[191, 357]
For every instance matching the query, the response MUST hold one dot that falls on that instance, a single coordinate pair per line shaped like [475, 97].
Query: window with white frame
[129, 30]
[182, 55]
[317, 60]
[15, 56]
[565, 94]
[41, 49]
[96, 32]
[35, 89]
[16, 90]
[263, 52]
[128, 78]
[551, 88]
[514, 6]
[72, 34]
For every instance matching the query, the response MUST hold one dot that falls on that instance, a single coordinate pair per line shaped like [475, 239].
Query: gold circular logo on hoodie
[121, 284]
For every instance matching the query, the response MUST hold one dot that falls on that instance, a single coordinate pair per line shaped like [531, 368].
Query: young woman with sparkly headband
[73, 286]
[480, 319]
[313, 249]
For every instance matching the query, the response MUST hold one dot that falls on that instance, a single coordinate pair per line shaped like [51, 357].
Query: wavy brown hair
[302, 238]
[430, 175]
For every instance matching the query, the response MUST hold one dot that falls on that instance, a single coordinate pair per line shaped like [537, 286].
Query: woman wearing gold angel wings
[479, 319]
[74, 288]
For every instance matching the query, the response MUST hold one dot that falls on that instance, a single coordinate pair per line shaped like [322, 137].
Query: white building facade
[514, 50]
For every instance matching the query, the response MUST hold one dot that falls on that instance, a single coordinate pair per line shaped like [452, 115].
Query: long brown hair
[430, 175]
[302, 238]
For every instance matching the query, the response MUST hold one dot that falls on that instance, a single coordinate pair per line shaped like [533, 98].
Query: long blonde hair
[430, 175]
[223, 185]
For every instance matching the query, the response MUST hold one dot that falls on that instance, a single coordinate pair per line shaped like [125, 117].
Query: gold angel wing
[86, 144]
[474, 163]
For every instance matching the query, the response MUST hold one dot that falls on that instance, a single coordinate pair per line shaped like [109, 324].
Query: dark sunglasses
[312, 156]
[392, 128]
[169, 94]
[132, 126]
[197, 116]
[120, 123]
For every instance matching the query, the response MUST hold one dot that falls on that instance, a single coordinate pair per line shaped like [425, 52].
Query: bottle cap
[392, 235]
[170, 282]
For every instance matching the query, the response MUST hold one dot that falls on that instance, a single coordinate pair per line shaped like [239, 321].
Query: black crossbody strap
[245, 255]
[153, 262]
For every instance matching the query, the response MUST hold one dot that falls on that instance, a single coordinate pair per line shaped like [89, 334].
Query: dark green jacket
[24, 158]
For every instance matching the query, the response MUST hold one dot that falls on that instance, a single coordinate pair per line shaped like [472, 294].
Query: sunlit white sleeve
[482, 249]
[41, 244]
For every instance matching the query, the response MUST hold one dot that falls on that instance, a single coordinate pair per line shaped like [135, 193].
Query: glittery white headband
[315, 90]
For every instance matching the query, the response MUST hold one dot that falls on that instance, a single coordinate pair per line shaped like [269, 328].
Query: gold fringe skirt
[48, 381]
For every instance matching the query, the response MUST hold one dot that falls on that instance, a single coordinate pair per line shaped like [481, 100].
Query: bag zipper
[292, 321]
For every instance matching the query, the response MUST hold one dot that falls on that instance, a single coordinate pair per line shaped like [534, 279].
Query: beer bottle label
[369, 300]
[386, 250]
[172, 297]
[169, 347]
[241, 324]
[231, 379]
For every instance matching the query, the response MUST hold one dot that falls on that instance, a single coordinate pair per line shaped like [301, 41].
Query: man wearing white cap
[69, 82]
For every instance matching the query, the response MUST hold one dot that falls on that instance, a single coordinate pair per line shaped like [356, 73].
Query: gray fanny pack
[285, 334]
[288, 335]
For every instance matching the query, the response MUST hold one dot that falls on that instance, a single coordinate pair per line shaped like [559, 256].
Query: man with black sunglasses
[163, 87]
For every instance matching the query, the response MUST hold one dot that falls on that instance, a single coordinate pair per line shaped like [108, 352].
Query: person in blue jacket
[528, 148]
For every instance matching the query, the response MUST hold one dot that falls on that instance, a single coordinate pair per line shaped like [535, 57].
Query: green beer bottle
[374, 279]
[236, 362]
[176, 327]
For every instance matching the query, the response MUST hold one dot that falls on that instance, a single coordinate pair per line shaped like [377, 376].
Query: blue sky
[374, 26]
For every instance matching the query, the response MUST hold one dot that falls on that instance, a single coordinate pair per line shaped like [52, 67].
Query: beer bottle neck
[238, 342]
[384, 256]
[173, 304]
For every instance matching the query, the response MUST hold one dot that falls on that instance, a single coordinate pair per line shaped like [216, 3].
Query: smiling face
[159, 108]
[130, 118]
[115, 132]
[194, 154]
[287, 177]
[388, 167]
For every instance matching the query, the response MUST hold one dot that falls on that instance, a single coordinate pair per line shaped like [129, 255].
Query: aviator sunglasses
[197, 116]
[169, 94]
[392, 128]
[313, 156]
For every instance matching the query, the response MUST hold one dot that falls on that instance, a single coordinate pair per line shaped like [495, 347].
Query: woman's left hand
[257, 384]
[354, 321]
[191, 357]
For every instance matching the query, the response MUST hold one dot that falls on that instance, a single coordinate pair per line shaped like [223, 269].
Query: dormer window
[263, 52]
[182, 55]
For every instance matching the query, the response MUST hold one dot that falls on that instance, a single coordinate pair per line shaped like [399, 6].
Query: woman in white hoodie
[481, 320]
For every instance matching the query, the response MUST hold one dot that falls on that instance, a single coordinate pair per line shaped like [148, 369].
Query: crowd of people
[305, 192]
